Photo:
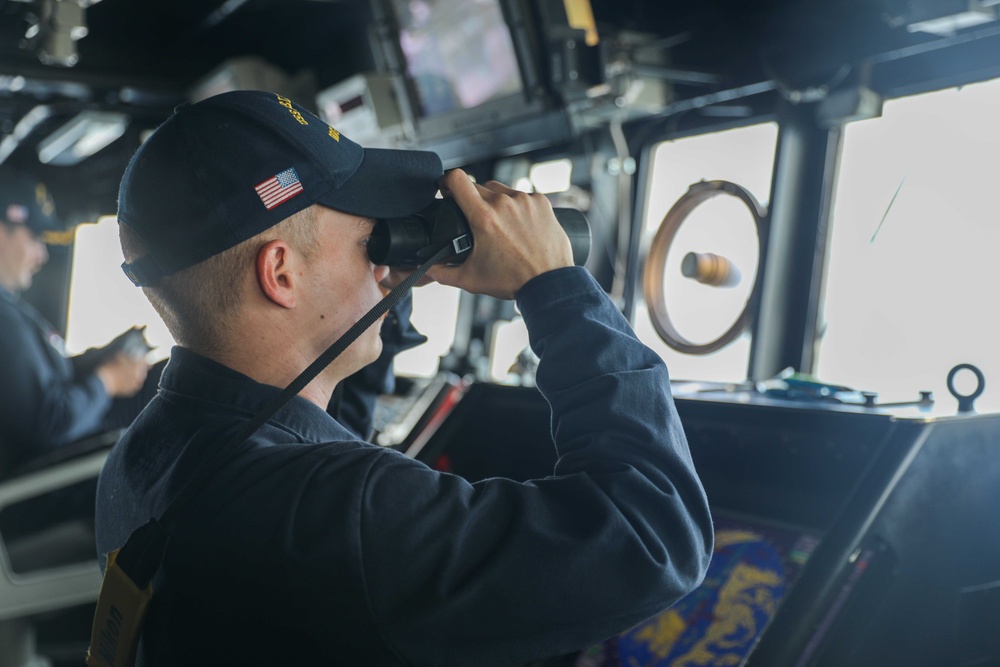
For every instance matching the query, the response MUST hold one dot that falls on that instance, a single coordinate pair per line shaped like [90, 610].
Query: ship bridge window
[435, 315]
[552, 176]
[911, 277]
[103, 302]
[702, 313]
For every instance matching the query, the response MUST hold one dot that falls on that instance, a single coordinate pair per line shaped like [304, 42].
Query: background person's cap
[26, 201]
[221, 171]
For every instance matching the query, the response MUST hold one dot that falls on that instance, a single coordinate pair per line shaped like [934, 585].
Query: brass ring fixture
[711, 267]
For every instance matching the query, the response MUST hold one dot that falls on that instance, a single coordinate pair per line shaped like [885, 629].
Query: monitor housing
[470, 75]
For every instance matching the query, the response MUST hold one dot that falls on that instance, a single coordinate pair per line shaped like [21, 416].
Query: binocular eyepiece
[410, 241]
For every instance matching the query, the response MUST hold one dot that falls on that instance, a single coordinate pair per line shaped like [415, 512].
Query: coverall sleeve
[619, 532]
[43, 406]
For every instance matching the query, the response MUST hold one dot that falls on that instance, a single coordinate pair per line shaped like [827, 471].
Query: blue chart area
[718, 624]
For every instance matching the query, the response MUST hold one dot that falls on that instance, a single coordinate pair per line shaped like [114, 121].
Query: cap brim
[388, 184]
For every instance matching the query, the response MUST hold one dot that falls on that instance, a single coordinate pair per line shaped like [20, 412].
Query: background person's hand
[123, 375]
[516, 238]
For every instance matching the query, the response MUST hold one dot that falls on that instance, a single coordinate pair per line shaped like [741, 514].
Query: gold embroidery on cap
[60, 238]
[333, 133]
[287, 103]
[44, 200]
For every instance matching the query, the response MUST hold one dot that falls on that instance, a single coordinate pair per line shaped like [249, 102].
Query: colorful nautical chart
[717, 624]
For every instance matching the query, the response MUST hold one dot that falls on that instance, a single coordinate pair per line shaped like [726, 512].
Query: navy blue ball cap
[26, 201]
[225, 169]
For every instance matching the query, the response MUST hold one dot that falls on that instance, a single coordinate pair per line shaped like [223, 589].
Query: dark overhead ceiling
[141, 57]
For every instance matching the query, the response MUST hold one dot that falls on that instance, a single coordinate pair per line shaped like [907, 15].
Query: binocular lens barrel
[409, 241]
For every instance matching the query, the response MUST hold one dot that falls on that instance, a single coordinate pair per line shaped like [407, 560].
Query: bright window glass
[744, 156]
[912, 280]
[552, 176]
[435, 314]
[103, 302]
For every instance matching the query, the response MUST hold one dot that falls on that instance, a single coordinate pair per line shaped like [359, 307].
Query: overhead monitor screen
[752, 569]
[459, 53]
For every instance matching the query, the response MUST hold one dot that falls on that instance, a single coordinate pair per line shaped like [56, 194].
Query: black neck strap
[220, 455]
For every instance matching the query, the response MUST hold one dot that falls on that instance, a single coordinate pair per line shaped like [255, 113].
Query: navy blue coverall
[312, 547]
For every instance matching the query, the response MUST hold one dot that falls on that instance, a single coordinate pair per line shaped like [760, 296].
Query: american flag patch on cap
[279, 188]
[17, 213]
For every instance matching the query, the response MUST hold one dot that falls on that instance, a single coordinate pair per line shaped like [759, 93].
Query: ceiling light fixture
[84, 135]
[59, 25]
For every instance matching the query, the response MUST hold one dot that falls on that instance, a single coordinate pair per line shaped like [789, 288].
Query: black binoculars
[410, 241]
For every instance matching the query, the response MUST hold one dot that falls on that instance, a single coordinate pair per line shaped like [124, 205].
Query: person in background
[48, 399]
